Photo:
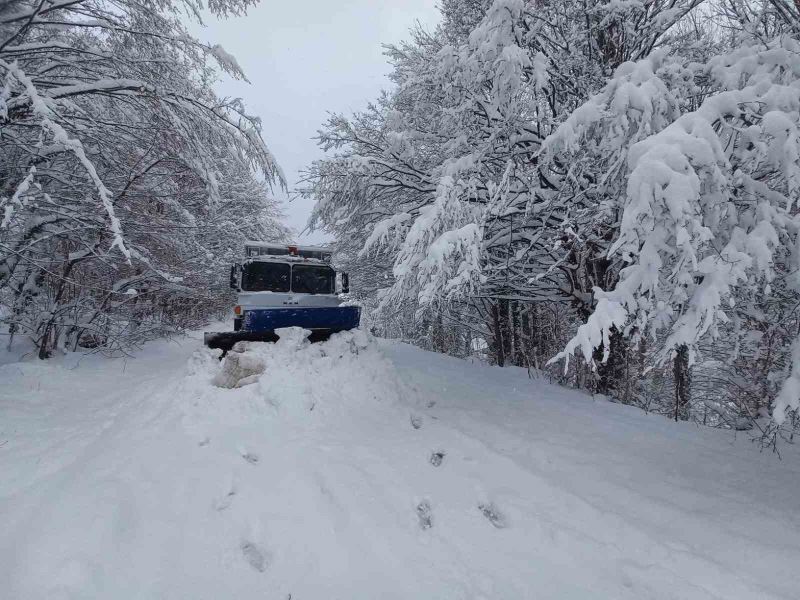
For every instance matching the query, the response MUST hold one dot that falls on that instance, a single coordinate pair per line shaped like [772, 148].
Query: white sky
[305, 59]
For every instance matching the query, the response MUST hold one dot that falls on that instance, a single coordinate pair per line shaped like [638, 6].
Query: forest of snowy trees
[603, 192]
[553, 349]
[127, 187]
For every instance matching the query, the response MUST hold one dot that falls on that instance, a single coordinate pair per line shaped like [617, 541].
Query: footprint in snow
[416, 421]
[250, 457]
[437, 458]
[424, 515]
[225, 502]
[494, 516]
[255, 556]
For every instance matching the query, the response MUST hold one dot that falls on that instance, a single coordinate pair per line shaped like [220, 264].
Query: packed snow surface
[365, 469]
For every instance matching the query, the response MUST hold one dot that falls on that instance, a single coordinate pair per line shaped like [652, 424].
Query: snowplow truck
[286, 286]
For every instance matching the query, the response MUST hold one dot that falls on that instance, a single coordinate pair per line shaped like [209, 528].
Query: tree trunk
[497, 336]
[528, 336]
[517, 335]
[683, 381]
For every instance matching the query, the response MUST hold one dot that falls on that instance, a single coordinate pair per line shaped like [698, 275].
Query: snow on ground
[364, 469]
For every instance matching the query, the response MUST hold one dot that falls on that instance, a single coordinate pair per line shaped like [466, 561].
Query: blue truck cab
[286, 286]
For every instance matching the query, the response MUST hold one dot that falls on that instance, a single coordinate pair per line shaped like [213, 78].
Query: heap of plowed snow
[296, 375]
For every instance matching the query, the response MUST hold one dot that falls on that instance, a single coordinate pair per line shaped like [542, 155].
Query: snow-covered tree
[442, 174]
[124, 180]
[708, 218]
[618, 178]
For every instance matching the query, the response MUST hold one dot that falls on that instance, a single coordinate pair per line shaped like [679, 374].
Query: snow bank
[294, 376]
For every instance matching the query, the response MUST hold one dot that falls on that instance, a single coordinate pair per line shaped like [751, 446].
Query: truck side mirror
[345, 283]
[234, 283]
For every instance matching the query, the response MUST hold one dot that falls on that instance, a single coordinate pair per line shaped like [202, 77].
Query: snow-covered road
[364, 469]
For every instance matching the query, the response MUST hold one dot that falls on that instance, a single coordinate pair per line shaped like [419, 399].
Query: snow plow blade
[225, 340]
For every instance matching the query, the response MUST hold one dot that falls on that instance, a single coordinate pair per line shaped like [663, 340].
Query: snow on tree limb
[687, 238]
[113, 138]
[43, 108]
[7, 204]
[621, 174]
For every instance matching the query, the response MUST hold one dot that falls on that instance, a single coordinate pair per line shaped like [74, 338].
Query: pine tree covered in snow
[126, 184]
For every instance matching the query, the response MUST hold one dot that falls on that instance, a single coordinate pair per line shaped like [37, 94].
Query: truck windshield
[265, 277]
[309, 279]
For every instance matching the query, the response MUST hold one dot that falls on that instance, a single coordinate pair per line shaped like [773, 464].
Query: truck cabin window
[266, 277]
[310, 279]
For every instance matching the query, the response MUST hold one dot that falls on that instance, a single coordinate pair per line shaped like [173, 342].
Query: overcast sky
[305, 59]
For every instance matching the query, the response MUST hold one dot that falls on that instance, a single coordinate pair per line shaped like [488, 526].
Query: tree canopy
[613, 179]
